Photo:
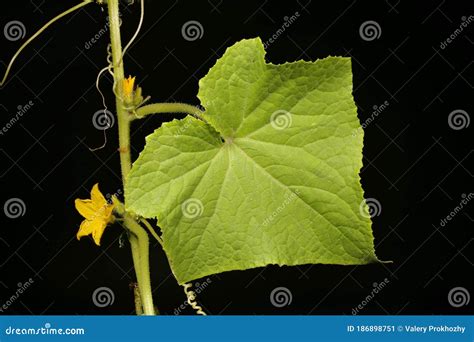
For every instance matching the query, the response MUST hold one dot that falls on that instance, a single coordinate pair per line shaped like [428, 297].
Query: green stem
[143, 261]
[122, 114]
[135, 254]
[171, 107]
[138, 300]
[140, 245]
[136, 265]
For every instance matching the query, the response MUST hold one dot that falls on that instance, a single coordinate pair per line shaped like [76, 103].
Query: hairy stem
[138, 300]
[143, 263]
[122, 114]
[140, 242]
[135, 254]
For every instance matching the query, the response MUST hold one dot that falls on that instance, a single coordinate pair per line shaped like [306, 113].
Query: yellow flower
[127, 86]
[97, 213]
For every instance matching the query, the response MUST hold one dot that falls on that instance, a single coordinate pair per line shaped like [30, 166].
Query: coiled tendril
[192, 299]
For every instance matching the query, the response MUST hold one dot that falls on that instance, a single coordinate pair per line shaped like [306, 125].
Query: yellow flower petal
[95, 228]
[85, 229]
[128, 85]
[85, 208]
[108, 212]
[98, 200]
[98, 213]
[98, 228]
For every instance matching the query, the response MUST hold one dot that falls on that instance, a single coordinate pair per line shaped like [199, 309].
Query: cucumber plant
[266, 173]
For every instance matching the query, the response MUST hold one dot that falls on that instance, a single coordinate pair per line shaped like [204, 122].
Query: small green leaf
[272, 178]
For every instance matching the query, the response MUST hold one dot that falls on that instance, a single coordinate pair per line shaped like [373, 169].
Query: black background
[415, 164]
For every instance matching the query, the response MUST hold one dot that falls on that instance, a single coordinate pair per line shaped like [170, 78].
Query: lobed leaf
[272, 178]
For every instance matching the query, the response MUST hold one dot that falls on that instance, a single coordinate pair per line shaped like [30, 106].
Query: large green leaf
[272, 178]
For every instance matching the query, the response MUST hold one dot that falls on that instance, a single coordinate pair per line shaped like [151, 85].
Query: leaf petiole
[169, 107]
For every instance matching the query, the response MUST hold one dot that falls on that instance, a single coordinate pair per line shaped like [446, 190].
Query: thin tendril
[41, 30]
[97, 86]
[139, 27]
[109, 59]
[192, 299]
